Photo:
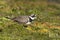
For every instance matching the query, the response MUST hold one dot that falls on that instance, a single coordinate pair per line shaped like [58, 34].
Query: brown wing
[22, 19]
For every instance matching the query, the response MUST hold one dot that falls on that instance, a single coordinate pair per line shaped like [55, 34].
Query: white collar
[31, 18]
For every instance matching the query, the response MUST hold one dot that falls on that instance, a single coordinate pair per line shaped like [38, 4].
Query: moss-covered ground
[45, 27]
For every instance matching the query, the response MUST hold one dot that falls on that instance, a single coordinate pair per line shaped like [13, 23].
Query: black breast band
[30, 20]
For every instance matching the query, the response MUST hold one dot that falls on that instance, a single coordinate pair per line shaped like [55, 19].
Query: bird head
[32, 16]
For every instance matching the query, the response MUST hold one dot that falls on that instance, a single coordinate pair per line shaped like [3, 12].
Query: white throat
[32, 18]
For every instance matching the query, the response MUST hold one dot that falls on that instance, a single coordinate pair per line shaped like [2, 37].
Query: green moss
[10, 30]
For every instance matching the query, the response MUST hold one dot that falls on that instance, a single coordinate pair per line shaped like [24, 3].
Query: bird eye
[33, 16]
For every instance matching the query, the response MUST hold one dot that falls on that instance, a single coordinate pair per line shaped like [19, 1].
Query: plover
[24, 19]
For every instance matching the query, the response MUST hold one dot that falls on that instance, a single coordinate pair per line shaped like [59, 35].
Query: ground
[45, 27]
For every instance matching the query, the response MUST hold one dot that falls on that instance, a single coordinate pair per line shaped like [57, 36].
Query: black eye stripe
[33, 16]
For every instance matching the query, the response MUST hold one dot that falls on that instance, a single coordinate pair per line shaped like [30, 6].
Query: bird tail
[11, 18]
[8, 17]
